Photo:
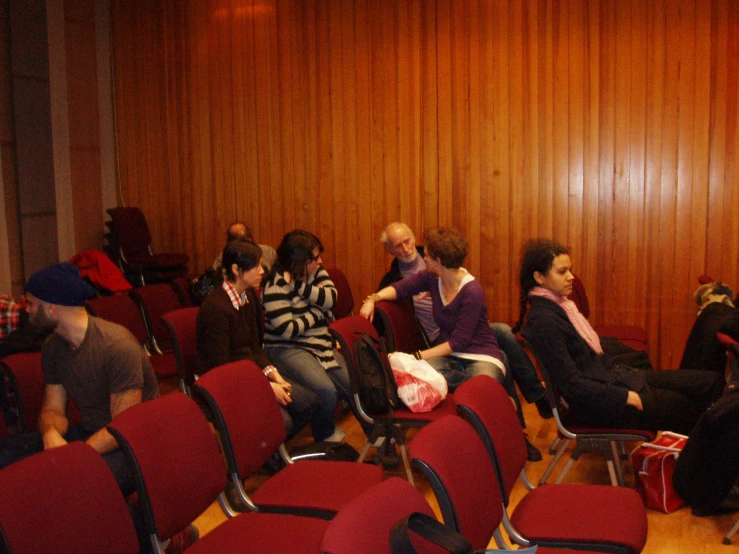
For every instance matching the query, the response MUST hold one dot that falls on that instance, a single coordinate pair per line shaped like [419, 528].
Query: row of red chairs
[310, 506]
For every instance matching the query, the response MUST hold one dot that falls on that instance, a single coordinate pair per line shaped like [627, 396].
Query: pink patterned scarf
[581, 325]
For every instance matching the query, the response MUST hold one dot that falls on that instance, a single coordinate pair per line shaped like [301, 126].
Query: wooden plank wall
[609, 125]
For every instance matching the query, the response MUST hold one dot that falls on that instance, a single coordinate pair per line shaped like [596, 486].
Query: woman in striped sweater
[298, 297]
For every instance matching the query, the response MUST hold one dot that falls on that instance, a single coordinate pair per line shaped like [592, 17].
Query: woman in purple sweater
[466, 346]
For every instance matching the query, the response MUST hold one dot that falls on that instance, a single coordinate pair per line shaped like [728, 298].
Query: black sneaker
[532, 453]
[542, 405]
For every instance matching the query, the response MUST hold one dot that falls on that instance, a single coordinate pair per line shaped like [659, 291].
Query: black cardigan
[225, 334]
[592, 384]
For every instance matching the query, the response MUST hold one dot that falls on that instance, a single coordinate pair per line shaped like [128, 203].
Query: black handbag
[201, 287]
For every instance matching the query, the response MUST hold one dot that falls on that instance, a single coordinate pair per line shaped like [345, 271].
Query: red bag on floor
[654, 463]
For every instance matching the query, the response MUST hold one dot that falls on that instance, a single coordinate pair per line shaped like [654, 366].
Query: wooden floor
[679, 532]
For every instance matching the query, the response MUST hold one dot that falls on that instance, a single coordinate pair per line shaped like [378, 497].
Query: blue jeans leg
[522, 369]
[302, 367]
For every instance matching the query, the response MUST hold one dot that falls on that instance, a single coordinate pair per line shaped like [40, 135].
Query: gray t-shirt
[109, 361]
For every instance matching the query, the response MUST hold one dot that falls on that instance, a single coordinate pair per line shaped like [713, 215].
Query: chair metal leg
[365, 449]
[554, 461]
[565, 469]
[406, 463]
[553, 447]
[734, 528]
[617, 464]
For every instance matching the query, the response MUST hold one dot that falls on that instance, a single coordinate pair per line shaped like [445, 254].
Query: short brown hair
[446, 244]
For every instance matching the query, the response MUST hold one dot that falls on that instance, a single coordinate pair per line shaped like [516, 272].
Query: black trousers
[673, 400]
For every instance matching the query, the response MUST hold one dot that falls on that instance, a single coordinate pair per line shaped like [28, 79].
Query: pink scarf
[581, 325]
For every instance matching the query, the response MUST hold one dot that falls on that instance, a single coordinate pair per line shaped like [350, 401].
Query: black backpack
[377, 389]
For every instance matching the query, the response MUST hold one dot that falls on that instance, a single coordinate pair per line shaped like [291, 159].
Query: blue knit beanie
[60, 284]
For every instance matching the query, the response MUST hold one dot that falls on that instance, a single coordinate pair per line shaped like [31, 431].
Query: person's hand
[280, 380]
[368, 310]
[282, 393]
[422, 295]
[634, 400]
[53, 439]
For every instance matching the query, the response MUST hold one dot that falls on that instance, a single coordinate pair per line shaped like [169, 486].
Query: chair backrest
[579, 297]
[245, 413]
[131, 230]
[27, 379]
[346, 332]
[175, 458]
[154, 301]
[396, 322]
[345, 299]
[486, 405]
[120, 309]
[363, 526]
[183, 329]
[183, 288]
[456, 464]
[64, 500]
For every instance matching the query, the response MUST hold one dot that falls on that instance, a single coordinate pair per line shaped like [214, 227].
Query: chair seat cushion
[263, 534]
[312, 484]
[447, 406]
[571, 425]
[583, 514]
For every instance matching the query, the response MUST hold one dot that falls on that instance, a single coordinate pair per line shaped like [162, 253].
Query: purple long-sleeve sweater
[463, 322]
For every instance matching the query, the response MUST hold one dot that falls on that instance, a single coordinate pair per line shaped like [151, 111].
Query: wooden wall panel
[610, 126]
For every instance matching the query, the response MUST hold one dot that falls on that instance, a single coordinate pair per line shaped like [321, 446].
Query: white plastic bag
[420, 386]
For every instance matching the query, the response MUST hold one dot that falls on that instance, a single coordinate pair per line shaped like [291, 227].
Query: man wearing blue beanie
[96, 363]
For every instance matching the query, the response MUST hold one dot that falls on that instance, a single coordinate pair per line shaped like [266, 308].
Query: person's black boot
[532, 453]
[542, 405]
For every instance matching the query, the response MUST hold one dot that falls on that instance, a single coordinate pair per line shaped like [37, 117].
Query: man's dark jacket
[394, 274]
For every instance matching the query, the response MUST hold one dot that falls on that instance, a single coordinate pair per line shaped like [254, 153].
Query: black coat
[592, 384]
[709, 463]
[394, 274]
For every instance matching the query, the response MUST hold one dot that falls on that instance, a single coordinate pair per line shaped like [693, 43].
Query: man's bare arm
[52, 422]
[102, 440]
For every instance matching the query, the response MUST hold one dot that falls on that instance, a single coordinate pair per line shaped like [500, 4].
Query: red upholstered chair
[183, 288]
[394, 423]
[397, 326]
[178, 470]
[123, 310]
[345, 299]
[248, 420]
[27, 380]
[64, 500]
[593, 516]
[154, 301]
[183, 330]
[630, 335]
[603, 440]
[363, 526]
[131, 238]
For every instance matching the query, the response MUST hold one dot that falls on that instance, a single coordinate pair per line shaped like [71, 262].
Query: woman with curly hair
[600, 392]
